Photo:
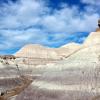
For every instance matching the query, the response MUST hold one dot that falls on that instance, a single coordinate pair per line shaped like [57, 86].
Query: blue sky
[51, 23]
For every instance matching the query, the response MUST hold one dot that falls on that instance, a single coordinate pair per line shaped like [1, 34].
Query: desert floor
[54, 84]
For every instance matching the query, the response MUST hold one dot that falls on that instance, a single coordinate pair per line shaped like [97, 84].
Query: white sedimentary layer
[55, 86]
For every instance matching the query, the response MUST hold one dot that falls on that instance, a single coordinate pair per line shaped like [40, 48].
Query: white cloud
[71, 20]
[22, 14]
[93, 6]
[93, 2]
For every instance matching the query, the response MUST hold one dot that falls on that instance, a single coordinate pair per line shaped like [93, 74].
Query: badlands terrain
[71, 72]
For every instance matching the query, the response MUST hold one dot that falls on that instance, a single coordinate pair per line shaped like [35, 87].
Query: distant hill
[39, 51]
[36, 51]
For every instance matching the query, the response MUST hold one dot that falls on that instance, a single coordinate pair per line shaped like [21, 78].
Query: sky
[51, 23]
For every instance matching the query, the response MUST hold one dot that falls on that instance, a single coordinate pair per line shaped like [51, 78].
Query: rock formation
[39, 51]
[68, 49]
[36, 51]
